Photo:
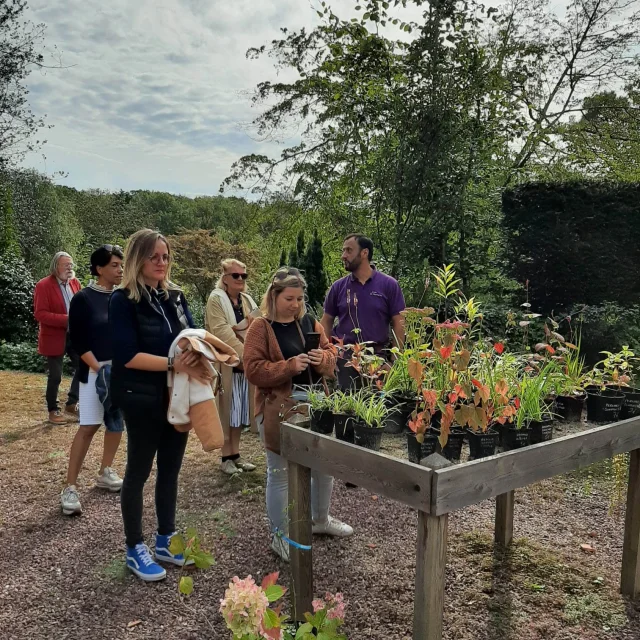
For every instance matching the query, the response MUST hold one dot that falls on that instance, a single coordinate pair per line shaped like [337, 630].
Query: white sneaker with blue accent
[164, 555]
[141, 563]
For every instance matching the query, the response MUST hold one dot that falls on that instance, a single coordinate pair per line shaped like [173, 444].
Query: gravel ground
[64, 578]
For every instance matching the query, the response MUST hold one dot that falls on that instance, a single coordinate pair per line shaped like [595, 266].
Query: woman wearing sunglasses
[229, 305]
[277, 362]
[145, 317]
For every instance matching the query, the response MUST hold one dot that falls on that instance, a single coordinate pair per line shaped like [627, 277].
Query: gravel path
[64, 578]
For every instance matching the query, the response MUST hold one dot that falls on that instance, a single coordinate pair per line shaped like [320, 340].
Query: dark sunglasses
[237, 276]
[111, 247]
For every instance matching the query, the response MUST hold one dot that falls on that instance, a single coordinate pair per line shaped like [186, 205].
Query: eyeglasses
[165, 257]
[111, 247]
[237, 276]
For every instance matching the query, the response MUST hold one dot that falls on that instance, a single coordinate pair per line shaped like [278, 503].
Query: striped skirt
[239, 401]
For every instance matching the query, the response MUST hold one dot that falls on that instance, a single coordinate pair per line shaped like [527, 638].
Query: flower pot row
[603, 405]
[347, 428]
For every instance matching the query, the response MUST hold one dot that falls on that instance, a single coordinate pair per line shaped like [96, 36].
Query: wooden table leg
[431, 562]
[504, 518]
[300, 532]
[630, 579]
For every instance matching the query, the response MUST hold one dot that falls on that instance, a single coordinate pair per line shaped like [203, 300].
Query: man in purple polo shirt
[366, 302]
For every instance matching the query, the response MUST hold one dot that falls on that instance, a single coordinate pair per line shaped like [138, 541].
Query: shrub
[22, 356]
[16, 300]
[575, 242]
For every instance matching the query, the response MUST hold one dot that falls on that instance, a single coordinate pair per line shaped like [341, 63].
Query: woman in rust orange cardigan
[276, 361]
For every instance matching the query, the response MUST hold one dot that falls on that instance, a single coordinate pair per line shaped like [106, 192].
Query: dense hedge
[574, 242]
[24, 356]
[16, 300]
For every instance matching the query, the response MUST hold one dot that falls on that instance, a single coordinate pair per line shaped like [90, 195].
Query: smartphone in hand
[312, 341]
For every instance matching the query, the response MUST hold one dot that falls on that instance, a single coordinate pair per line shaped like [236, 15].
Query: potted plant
[400, 391]
[475, 413]
[531, 424]
[342, 407]
[606, 380]
[371, 411]
[321, 412]
[422, 441]
[570, 394]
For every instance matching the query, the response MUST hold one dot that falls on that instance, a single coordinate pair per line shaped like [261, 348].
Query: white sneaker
[109, 480]
[280, 548]
[245, 466]
[332, 527]
[229, 467]
[70, 501]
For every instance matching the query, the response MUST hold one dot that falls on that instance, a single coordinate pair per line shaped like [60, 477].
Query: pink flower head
[243, 607]
[335, 606]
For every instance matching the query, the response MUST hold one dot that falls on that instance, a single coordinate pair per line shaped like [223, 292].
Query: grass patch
[591, 607]
[196, 519]
[11, 436]
[528, 579]
[115, 571]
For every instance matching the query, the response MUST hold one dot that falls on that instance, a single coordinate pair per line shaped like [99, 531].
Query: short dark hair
[102, 256]
[363, 243]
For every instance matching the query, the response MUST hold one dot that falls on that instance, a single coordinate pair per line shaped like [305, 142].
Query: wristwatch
[170, 363]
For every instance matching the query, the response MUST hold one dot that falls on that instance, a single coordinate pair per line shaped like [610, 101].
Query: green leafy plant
[371, 409]
[319, 400]
[189, 546]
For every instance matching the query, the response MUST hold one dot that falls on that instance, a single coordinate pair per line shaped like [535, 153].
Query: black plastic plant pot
[513, 438]
[604, 406]
[631, 404]
[540, 431]
[398, 417]
[416, 451]
[570, 408]
[343, 424]
[453, 449]
[481, 444]
[367, 437]
[321, 421]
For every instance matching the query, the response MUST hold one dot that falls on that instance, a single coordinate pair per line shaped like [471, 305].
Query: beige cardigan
[216, 322]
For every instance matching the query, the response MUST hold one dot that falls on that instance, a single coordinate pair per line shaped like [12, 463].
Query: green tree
[198, 256]
[317, 284]
[283, 258]
[8, 236]
[21, 46]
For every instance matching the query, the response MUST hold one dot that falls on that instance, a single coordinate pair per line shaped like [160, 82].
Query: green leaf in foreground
[186, 585]
[274, 592]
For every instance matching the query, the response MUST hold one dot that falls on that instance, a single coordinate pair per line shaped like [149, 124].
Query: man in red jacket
[51, 301]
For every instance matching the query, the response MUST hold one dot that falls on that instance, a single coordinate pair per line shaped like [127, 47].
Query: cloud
[153, 94]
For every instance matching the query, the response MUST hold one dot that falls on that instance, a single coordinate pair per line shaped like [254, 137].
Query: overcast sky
[152, 96]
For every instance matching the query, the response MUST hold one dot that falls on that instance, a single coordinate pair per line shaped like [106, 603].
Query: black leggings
[145, 438]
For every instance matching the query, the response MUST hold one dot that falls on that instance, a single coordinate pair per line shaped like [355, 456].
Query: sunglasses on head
[285, 272]
[237, 276]
[111, 247]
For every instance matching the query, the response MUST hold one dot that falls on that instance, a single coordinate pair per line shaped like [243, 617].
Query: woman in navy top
[145, 317]
[91, 340]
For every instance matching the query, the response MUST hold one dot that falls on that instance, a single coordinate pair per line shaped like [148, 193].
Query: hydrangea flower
[243, 607]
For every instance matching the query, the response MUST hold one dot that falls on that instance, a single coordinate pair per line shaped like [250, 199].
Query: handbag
[279, 407]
